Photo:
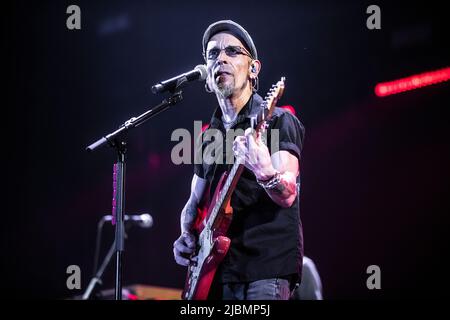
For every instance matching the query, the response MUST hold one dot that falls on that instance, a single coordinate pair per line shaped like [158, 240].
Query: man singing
[265, 255]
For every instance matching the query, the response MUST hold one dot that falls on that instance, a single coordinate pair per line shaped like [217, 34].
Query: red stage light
[413, 82]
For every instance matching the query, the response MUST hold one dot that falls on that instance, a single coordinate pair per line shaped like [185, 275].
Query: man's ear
[255, 68]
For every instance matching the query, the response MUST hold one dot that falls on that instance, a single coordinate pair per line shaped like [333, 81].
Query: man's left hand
[255, 153]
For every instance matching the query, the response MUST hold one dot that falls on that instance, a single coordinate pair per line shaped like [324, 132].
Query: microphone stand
[97, 279]
[115, 140]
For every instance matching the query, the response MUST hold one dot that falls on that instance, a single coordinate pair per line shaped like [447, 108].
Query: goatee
[225, 89]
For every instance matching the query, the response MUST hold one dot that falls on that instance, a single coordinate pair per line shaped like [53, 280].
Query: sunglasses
[231, 51]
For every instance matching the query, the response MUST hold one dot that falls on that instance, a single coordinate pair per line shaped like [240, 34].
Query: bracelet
[272, 182]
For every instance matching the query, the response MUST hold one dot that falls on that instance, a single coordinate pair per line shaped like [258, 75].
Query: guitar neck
[227, 189]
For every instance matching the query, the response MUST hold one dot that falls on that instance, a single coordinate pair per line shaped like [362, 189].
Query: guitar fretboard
[233, 176]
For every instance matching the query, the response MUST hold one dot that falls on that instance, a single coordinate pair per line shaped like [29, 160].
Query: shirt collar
[250, 109]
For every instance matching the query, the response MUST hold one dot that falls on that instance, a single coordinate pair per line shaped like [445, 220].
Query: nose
[222, 57]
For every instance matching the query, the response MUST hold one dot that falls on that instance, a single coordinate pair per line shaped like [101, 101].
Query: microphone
[142, 220]
[199, 73]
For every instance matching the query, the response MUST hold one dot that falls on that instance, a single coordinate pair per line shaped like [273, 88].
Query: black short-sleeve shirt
[266, 239]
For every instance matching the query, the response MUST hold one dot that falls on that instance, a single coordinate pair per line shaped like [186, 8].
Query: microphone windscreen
[203, 73]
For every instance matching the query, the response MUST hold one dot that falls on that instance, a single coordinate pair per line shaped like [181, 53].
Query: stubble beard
[225, 89]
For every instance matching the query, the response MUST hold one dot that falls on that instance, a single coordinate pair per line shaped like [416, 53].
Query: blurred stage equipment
[138, 292]
[146, 292]
[310, 288]
[142, 220]
[412, 82]
[117, 140]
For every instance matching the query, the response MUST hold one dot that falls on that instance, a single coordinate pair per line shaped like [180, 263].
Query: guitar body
[203, 276]
[212, 224]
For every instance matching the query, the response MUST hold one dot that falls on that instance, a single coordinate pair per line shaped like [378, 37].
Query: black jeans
[267, 289]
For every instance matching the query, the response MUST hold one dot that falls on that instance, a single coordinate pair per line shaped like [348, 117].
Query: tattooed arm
[264, 166]
[185, 244]
[285, 192]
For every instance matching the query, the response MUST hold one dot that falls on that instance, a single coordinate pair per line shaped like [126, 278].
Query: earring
[255, 83]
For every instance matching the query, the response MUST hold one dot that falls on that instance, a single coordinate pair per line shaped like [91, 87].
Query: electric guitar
[212, 223]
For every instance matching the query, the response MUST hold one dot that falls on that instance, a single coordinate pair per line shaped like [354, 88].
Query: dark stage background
[375, 171]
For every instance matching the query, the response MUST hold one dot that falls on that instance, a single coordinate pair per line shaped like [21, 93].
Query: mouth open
[221, 73]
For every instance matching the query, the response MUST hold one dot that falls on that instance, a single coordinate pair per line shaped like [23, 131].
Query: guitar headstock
[271, 99]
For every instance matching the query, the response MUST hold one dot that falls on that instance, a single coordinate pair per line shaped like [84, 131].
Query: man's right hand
[185, 245]
[183, 248]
